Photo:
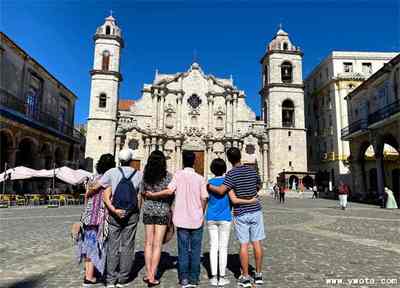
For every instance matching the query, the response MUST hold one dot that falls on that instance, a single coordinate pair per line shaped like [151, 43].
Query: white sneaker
[214, 281]
[223, 281]
[110, 286]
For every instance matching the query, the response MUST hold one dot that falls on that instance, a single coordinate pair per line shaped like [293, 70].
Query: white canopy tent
[65, 174]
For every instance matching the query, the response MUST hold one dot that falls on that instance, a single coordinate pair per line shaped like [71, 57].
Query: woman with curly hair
[156, 212]
[92, 222]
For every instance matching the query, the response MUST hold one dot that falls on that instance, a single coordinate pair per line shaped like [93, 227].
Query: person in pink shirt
[191, 197]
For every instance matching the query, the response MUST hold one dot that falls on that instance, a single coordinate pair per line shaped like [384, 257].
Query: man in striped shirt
[248, 219]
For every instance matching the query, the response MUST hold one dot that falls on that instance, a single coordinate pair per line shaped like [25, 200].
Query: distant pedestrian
[276, 191]
[190, 203]
[92, 222]
[281, 194]
[156, 212]
[248, 218]
[390, 201]
[343, 194]
[315, 192]
[121, 199]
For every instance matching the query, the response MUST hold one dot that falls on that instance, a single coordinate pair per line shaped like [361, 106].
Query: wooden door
[199, 162]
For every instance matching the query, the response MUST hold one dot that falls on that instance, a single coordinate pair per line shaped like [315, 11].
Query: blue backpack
[125, 194]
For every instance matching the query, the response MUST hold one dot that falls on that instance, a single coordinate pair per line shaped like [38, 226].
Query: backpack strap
[122, 172]
[133, 174]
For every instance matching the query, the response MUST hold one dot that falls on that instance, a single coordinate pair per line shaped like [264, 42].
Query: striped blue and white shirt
[243, 180]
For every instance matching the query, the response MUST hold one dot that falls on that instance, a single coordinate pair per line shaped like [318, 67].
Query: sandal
[145, 279]
[153, 284]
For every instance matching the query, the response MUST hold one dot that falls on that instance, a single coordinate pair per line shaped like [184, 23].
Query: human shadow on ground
[233, 265]
[167, 262]
[30, 282]
[138, 265]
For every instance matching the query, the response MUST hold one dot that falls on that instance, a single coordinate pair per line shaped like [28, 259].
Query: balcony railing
[358, 125]
[375, 117]
[289, 124]
[384, 112]
[37, 115]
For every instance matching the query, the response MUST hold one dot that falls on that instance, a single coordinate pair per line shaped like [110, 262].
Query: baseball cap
[125, 155]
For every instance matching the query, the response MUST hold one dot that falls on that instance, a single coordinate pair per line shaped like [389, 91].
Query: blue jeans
[189, 252]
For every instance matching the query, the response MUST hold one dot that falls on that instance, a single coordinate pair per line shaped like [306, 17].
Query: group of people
[117, 196]
[279, 192]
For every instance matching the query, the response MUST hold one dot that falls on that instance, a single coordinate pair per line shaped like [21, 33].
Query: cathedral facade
[195, 111]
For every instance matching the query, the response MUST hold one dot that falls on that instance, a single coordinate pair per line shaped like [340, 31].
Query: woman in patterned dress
[92, 221]
[156, 212]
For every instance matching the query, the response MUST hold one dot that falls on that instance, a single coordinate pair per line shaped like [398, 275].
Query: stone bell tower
[282, 98]
[105, 81]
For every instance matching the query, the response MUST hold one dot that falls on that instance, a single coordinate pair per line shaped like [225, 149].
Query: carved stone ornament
[169, 108]
[194, 131]
[194, 101]
[219, 111]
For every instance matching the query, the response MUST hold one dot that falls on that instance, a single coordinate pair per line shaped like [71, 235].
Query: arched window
[105, 64]
[133, 144]
[169, 121]
[285, 46]
[108, 30]
[287, 113]
[220, 123]
[194, 120]
[102, 100]
[286, 72]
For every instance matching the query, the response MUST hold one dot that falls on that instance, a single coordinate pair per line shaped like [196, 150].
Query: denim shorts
[249, 227]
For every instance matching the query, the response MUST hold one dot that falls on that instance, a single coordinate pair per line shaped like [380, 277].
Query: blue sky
[229, 36]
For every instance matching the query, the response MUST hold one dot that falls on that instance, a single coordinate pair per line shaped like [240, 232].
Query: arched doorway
[26, 156]
[308, 182]
[5, 145]
[47, 159]
[293, 182]
[26, 153]
[59, 157]
[372, 181]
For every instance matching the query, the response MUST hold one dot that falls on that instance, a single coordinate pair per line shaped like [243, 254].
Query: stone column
[154, 103]
[117, 148]
[162, 112]
[12, 156]
[265, 174]
[234, 112]
[210, 102]
[380, 173]
[161, 144]
[228, 114]
[146, 149]
[153, 144]
[228, 164]
[358, 179]
[178, 146]
[179, 111]
[208, 158]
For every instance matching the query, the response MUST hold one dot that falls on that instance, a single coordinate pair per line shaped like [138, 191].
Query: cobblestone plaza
[309, 242]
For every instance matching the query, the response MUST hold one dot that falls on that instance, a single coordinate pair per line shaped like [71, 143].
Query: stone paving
[309, 242]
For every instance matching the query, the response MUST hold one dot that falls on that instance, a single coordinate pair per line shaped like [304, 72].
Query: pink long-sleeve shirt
[190, 190]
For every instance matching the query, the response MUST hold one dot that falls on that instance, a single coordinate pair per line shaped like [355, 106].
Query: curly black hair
[155, 169]
[105, 163]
